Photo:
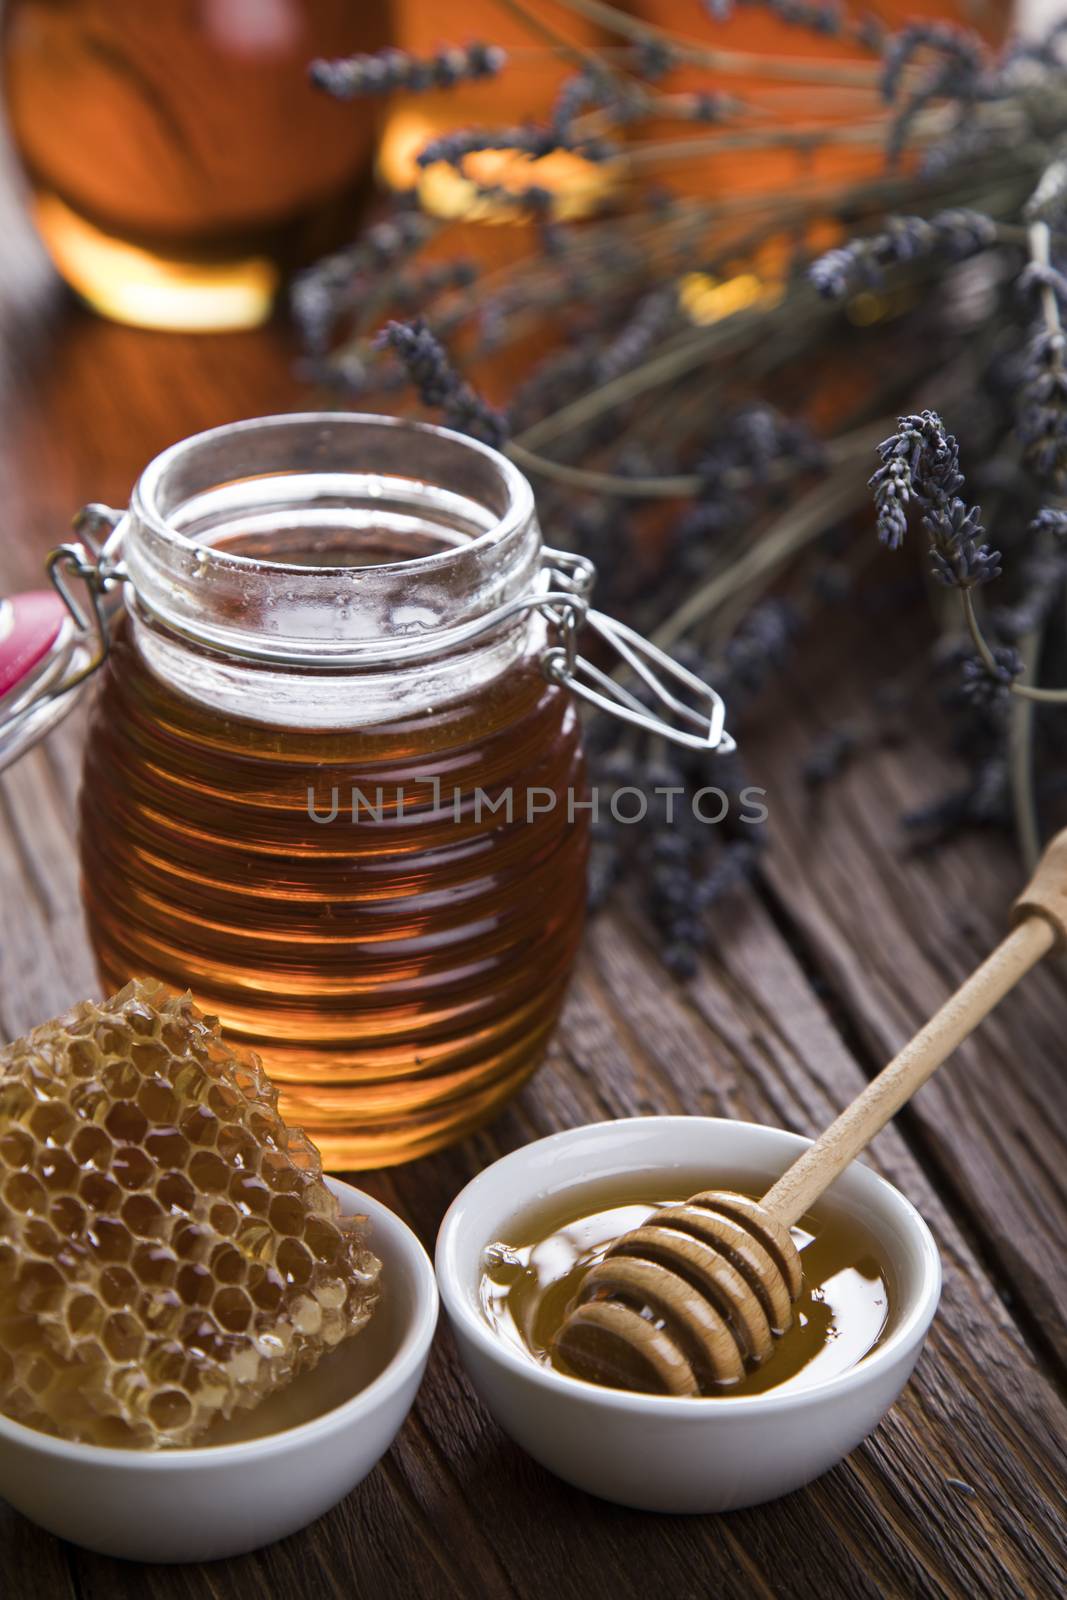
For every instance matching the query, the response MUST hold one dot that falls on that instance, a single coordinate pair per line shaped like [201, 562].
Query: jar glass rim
[147, 491]
[442, 528]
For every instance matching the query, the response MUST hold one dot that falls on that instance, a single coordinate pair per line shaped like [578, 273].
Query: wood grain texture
[890, 932]
[960, 1492]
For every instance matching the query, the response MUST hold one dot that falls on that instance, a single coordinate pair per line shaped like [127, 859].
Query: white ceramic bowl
[662, 1453]
[265, 1474]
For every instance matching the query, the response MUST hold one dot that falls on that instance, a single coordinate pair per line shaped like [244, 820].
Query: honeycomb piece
[169, 1252]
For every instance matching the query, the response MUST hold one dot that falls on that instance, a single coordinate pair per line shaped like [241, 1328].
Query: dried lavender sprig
[964, 146]
[863, 263]
[321, 295]
[576, 94]
[961, 49]
[892, 491]
[829, 756]
[983, 802]
[438, 383]
[619, 22]
[386, 71]
[705, 106]
[1051, 520]
[749, 443]
[960, 557]
[925, 460]
[987, 688]
[1042, 411]
[760, 647]
[822, 17]
[730, 870]
[921, 462]
[957, 75]
[817, 16]
[534, 199]
[633, 341]
[1037, 275]
[528, 140]
[1042, 403]
[654, 59]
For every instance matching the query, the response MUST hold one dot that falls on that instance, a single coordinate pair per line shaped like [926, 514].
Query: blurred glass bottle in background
[178, 156]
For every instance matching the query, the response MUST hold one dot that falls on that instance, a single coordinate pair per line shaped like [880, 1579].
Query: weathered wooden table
[822, 970]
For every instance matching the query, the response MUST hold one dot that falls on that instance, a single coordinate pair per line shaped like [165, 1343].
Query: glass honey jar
[179, 158]
[334, 781]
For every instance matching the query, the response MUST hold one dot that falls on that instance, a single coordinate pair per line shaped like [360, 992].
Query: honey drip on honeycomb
[169, 1252]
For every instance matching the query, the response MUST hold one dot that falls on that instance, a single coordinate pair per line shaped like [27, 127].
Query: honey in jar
[531, 1276]
[333, 781]
[328, 786]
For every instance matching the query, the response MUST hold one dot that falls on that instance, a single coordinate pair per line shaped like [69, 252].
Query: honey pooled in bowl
[531, 1276]
[169, 1252]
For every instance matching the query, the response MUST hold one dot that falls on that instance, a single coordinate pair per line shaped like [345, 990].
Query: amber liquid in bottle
[178, 153]
[400, 974]
[531, 1276]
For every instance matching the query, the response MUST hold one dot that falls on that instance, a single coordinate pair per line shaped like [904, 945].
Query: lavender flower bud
[439, 384]
[389, 70]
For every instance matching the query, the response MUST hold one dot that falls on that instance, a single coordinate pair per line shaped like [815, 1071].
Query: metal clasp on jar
[95, 564]
[566, 606]
[53, 648]
[698, 724]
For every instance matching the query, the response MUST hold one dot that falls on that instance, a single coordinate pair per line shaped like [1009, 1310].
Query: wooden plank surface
[828, 965]
[994, 1127]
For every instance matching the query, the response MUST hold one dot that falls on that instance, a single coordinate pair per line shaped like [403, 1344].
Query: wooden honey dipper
[698, 1294]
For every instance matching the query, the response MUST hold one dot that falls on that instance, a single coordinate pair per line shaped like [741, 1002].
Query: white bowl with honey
[517, 1241]
[267, 1471]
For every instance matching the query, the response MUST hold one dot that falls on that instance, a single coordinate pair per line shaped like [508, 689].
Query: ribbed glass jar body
[352, 830]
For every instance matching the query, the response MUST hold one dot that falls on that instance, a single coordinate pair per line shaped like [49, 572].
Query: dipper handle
[1040, 917]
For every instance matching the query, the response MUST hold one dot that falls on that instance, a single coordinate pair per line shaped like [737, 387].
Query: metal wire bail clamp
[56, 647]
[561, 663]
[88, 561]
